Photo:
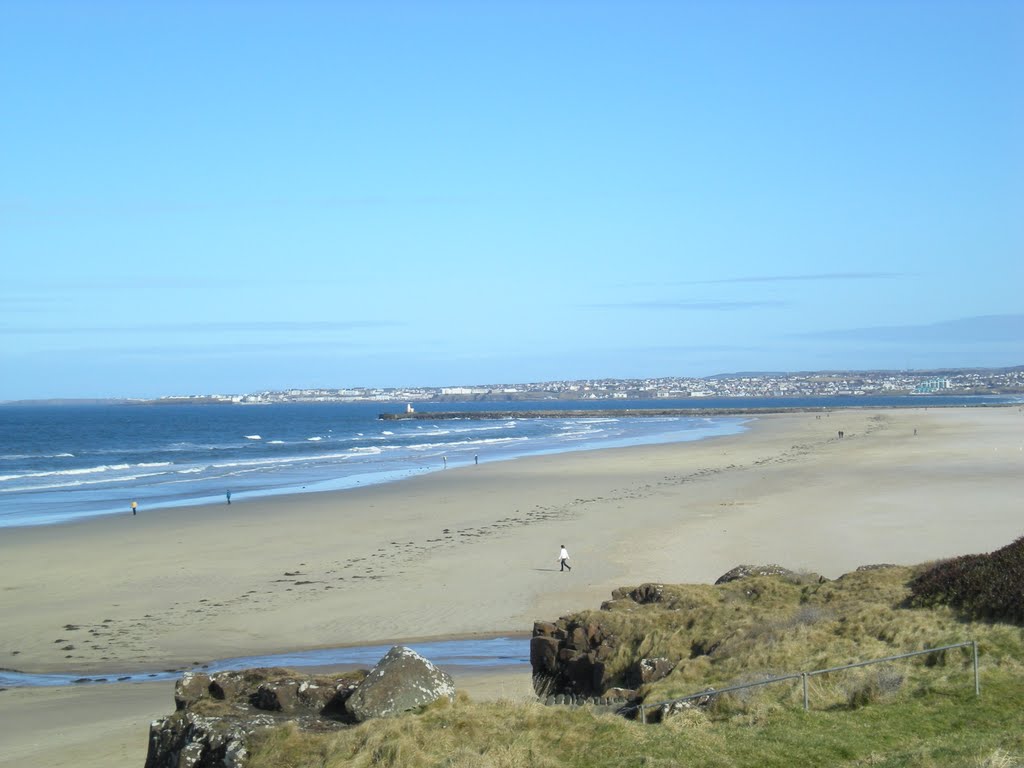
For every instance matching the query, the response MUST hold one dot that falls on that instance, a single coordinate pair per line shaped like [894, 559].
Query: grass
[943, 728]
[920, 712]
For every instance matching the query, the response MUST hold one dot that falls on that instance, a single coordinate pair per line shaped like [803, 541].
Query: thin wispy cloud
[810, 277]
[982, 329]
[215, 351]
[31, 303]
[693, 306]
[243, 326]
[88, 207]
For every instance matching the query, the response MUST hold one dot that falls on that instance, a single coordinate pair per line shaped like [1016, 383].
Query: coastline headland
[605, 413]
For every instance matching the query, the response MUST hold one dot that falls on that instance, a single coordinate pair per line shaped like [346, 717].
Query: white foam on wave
[81, 471]
[314, 439]
[253, 437]
[275, 442]
[23, 456]
[456, 443]
[282, 461]
[51, 486]
[385, 432]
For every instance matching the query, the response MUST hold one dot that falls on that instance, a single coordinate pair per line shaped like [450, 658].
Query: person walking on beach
[563, 559]
[228, 494]
[135, 506]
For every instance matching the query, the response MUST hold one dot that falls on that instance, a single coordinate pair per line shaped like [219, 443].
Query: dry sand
[473, 550]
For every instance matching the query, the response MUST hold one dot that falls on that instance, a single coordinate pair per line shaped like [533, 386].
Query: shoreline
[340, 475]
[410, 559]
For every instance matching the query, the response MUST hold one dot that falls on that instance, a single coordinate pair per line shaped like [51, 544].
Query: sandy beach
[473, 551]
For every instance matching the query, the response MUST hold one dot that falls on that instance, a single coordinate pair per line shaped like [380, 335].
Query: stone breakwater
[604, 413]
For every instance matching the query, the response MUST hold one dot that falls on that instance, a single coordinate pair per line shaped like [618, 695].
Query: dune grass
[919, 712]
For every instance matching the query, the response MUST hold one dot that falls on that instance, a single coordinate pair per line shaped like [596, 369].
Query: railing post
[977, 679]
[804, 676]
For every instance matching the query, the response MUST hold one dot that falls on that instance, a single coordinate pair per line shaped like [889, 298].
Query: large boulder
[402, 681]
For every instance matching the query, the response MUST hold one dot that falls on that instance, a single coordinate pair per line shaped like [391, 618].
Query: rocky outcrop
[216, 714]
[402, 681]
[746, 571]
[570, 658]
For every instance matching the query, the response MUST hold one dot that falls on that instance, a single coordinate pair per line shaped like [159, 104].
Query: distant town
[987, 381]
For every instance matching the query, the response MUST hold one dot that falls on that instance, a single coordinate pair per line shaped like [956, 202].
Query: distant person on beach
[445, 460]
[135, 506]
[476, 459]
[228, 494]
[563, 559]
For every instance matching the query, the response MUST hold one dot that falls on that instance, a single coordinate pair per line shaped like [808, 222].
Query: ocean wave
[314, 439]
[253, 437]
[455, 443]
[275, 442]
[268, 462]
[368, 450]
[23, 456]
[81, 483]
[80, 471]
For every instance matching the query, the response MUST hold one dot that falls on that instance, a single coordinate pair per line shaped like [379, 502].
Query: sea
[62, 463]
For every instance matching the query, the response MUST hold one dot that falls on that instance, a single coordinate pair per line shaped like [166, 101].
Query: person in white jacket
[563, 558]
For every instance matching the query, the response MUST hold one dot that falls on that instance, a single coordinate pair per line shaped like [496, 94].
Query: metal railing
[641, 708]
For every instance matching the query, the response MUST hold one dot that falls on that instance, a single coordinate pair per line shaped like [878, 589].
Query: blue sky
[203, 197]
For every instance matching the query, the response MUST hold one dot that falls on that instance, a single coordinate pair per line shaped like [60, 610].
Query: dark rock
[188, 740]
[569, 657]
[578, 639]
[226, 685]
[402, 681]
[647, 593]
[544, 629]
[277, 696]
[652, 670]
[236, 704]
[543, 654]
